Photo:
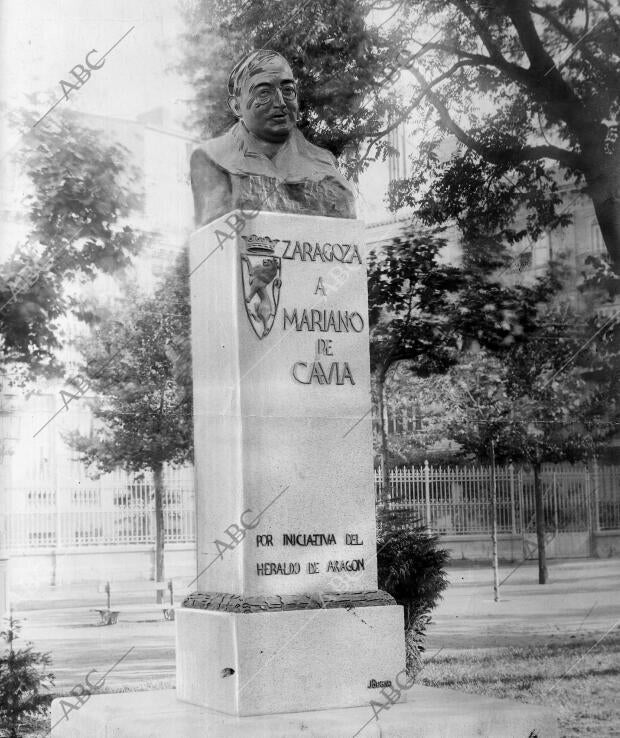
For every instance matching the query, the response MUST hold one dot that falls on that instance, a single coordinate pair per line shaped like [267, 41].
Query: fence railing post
[427, 492]
[596, 486]
[513, 514]
[58, 510]
[521, 509]
[589, 505]
[554, 481]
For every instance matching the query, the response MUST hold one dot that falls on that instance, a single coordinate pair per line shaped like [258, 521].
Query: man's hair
[251, 64]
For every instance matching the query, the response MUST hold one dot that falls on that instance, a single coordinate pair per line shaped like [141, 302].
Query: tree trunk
[604, 189]
[494, 525]
[540, 525]
[158, 479]
[385, 471]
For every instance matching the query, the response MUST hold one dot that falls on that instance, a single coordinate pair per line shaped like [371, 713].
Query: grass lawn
[574, 677]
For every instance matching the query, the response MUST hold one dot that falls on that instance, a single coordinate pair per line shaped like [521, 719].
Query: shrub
[411, 568]
[23, 674]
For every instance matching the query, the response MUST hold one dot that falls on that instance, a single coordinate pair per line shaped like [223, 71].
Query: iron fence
[118, 509]
[457, 500]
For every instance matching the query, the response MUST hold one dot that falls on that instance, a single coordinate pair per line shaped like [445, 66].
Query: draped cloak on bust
[230, 172]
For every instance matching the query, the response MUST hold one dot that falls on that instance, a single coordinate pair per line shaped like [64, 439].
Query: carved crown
[262, 244]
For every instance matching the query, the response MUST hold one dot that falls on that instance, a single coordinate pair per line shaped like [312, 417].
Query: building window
[523, 261]
[596, 238]
[541, 253]
[397, 161]
[418, 417]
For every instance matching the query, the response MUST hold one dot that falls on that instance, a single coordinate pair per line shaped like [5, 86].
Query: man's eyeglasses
[266, 94]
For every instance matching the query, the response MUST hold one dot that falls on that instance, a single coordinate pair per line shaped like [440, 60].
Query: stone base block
[422, 712]
[288, 661]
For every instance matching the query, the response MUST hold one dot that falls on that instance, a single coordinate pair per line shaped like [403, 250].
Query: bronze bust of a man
[264, 162]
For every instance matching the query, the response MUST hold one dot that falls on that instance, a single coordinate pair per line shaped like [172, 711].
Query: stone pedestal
[283, 436]
[286, 537]
[422, 712]
[291, 661]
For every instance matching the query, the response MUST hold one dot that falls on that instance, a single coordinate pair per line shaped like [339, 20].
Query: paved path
[77, 645]
[583, 597]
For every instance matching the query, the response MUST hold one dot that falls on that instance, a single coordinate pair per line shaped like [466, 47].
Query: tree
[138, 364]
[531, 94]
[425, 312]
[536, 404]
[415, 412]
[83, 187]
[409, 292]
[24, 681]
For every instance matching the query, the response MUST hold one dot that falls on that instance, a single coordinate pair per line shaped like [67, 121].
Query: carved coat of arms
[261, 279]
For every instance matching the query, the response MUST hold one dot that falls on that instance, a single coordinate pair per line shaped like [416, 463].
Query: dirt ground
[581, 598]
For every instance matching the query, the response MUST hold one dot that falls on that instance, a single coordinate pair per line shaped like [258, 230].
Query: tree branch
[510, 69]
[545, 81]
[481, 29]
[605, 5]
[519, 13]
[451, 49]
[554, 21]
[573, 38]
[525, 153]
[401, 118]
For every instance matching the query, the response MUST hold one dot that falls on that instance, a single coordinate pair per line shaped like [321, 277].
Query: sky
[42, 40]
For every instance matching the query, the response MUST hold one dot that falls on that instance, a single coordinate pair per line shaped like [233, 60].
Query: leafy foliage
[410, 292]
[416, 412]
[411, 567]
[24, 683]
[424, 312]
[540, 403]
[523, 96]
[138, 366]
[83, 188]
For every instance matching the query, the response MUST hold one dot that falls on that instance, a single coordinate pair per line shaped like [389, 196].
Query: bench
[108, 616]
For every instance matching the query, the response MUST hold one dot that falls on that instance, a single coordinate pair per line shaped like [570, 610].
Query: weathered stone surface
[283, 456]
[287, 660]
[274, 603]
[422, 712]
